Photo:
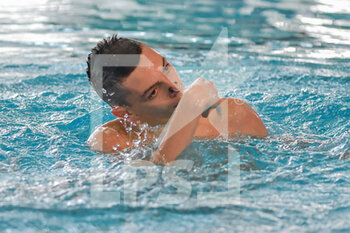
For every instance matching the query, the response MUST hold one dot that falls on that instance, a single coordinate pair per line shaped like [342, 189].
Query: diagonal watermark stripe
[218, 54]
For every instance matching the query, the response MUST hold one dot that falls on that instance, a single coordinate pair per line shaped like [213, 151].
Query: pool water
[289, 59]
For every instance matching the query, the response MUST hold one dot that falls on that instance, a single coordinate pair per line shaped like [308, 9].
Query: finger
[205, 114]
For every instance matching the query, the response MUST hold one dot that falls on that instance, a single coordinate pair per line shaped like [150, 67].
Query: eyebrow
[164, 63]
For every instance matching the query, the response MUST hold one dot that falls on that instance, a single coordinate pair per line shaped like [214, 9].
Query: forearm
[172, 147]
[183, 123]
[178, 133]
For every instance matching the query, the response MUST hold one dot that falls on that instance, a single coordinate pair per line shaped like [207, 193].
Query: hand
[201, 95]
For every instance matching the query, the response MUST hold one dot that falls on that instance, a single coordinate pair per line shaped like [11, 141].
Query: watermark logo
[218, 56]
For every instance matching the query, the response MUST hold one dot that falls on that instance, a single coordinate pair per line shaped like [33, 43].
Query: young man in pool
[145, 88]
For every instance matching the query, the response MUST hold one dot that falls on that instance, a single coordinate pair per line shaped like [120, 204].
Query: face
[155, 88]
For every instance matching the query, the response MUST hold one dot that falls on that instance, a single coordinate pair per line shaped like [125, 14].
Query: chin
[158, 122]
[153, 121]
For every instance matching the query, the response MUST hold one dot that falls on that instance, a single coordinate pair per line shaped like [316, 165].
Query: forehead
[146, 73]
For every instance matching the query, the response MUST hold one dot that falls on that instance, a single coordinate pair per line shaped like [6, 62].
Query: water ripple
[288, 59]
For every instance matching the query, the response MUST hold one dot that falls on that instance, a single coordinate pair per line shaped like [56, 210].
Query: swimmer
[147, 92]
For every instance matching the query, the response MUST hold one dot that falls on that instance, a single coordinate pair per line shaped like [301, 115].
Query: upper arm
[107, 140]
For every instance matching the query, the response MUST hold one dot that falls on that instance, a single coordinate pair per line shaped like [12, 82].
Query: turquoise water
[288, 59]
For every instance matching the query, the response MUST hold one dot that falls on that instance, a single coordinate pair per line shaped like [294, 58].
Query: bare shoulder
[243, 119]
[109, 138]
[236, 107]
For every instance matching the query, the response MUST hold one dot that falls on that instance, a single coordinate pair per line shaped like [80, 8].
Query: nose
[173, 92]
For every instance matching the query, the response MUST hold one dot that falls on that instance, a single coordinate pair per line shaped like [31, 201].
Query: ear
[119, 111]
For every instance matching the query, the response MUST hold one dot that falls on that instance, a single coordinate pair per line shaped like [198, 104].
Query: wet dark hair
[112, 76]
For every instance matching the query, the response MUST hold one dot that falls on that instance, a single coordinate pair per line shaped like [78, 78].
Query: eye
[153, 94]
